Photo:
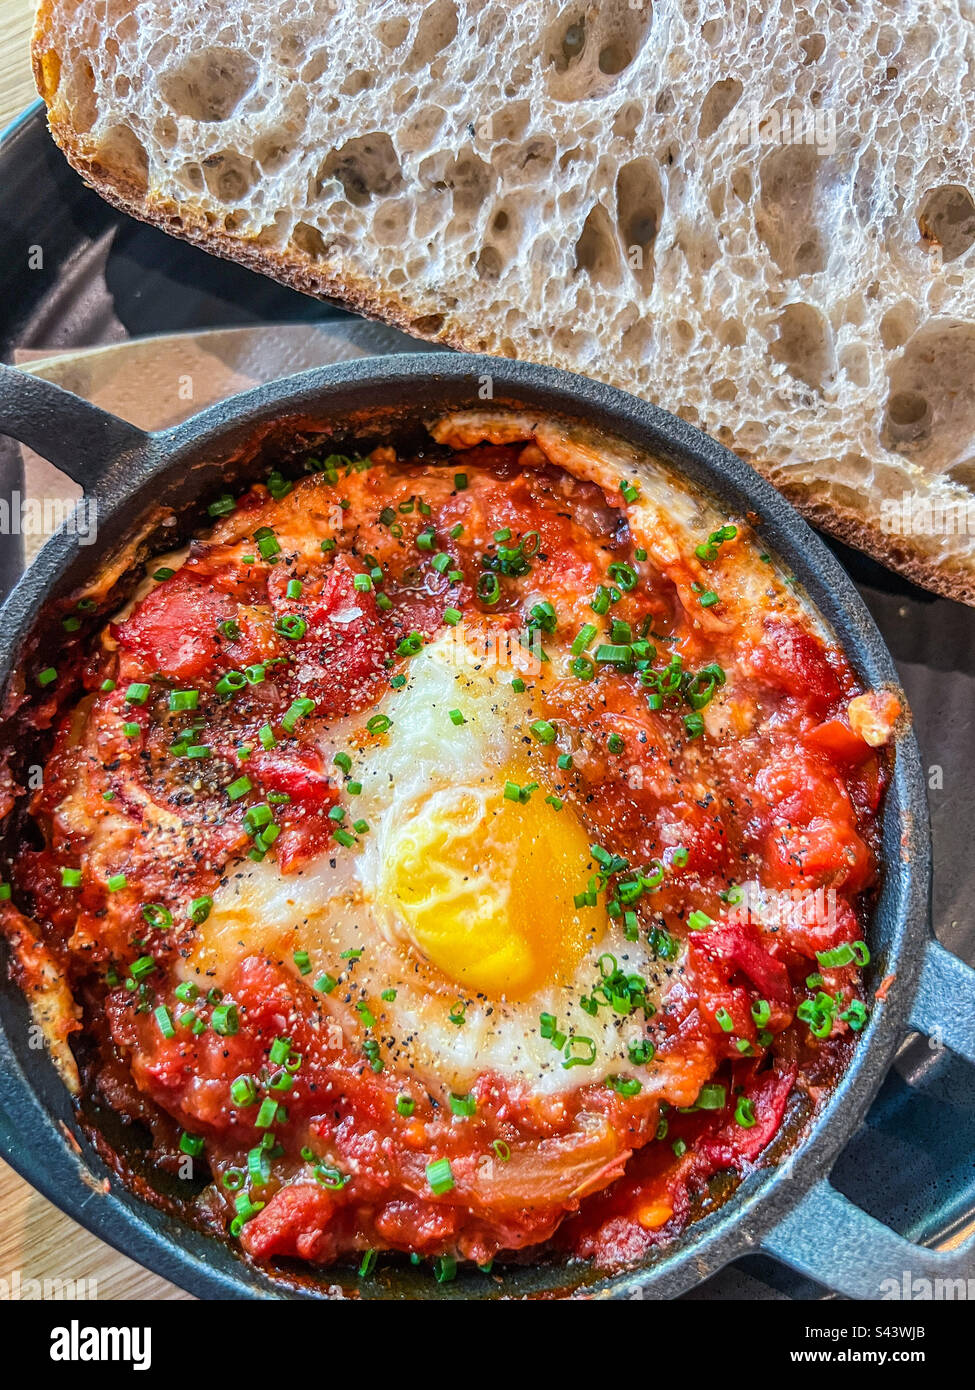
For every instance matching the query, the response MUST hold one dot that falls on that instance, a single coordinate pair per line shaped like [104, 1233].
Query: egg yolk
[483, 888]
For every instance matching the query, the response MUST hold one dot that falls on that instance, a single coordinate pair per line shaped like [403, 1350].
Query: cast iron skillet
[788, 1210]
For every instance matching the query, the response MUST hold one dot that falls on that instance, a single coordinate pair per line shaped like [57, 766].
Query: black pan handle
[830, 1239]
[72, 434]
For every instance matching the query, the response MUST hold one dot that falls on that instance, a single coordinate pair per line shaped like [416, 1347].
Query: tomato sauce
[719, 753]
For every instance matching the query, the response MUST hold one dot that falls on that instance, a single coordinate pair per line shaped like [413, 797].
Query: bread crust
[949, 577]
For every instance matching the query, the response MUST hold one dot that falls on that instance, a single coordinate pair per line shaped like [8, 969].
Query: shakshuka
[455, 852]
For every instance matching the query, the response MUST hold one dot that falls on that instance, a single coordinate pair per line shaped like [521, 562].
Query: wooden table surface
[16, 79]
[36, 1241]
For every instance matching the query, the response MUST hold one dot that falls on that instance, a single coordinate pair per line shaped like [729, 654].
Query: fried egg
[451, 924]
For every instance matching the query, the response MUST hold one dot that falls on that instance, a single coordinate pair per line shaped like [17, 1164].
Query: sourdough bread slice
[759, 216]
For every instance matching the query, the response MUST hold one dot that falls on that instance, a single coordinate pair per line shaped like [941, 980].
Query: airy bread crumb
[759, 216]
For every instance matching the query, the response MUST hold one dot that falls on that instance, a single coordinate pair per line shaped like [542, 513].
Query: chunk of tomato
[837, 740]
[794, 661]
[295, 1222]
[340, 656]
[173, 630]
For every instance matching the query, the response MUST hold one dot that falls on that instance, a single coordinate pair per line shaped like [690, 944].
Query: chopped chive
[165, 1021]
[440, 1176]
[225, 1020]
[296, 710]
[199, 909]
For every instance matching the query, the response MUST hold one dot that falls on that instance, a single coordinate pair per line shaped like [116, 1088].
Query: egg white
[335, 904]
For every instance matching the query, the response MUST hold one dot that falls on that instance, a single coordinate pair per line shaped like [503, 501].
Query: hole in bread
[804, 345]
[309, 240]
[897, 325]
[636, 341]
[596, 250]
[930, 413]
[366, 167]
[588, 46]
[570, 342]
[700, 249]
[639, 208]
[510, 123]
[469, 180]
[919, 43]
[731, 334]
[191, 177]
[403, 98]
[291, 47]
[947, 217]
[789, 209]
[711, 31]
[505, 226]
[315, 68]
[571, 44]
[683, 333]
[888, 40]
[741, 184]
[813, 47]
[209, 85]
[392, 32]
[722, 97]
[427, 325]
[615, 57]
[77, 90]
[122, 154]
[724, 390]
[909, 412]
[273, 149]
[530, 164]
[436, 31]
[358, 81]
[165, 132]
[466, 178]
[422, 129]
[489, 263]
[627, 120]
[856, 364]
[391, 222]
[230, 176]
